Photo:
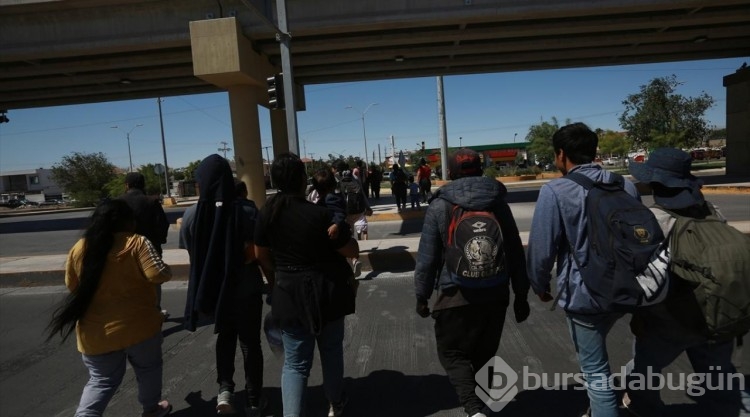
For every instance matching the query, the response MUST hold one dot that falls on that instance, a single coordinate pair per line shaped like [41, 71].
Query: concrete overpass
[56, 52]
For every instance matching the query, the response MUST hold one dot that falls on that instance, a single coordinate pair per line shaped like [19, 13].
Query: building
[33, 184]
[492, 155]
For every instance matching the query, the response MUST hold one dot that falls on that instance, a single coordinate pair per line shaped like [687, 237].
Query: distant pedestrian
[414, 193]
[398, 186]
[325, 185]
[150, 219]
[376, 177]
[356, 203]
[361, 173]
[314, 289]
[474, 270]
[112, 274]
[423, 180]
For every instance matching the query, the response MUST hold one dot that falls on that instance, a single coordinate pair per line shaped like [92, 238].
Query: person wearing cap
[468, 321]
[666, 330]
[150, 219]
[559, 224]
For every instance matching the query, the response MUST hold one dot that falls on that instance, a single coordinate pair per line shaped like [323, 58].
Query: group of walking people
[473, 268]
[470, 257]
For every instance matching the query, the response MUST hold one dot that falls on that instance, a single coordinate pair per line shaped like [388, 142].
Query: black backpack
[474, 254]
[351, 191]
[624, 236]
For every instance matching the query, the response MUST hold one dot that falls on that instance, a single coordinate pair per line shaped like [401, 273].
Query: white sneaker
[224, 403]
[479, 415]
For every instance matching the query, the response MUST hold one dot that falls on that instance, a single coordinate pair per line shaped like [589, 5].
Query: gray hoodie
[471, 193]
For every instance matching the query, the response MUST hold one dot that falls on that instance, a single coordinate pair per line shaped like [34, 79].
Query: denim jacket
[559, 225]
[476, 193]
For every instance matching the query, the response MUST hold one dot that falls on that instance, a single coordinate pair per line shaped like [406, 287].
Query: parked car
[612, 161]
[698, 154]
[12, 203]
[51, 202]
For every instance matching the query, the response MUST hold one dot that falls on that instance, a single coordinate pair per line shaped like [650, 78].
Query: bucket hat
[670, 168]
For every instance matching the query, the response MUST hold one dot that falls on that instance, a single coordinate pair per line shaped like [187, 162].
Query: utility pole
[164, 150]
[268, 165]
[443, 129]
[224, 149]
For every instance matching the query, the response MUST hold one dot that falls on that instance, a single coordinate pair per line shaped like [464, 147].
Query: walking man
[150, 220]
[472, 291]
[559, 224]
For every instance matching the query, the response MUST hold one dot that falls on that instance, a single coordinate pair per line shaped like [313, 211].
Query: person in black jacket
[150, 219]
[469, 321]
[313, 289]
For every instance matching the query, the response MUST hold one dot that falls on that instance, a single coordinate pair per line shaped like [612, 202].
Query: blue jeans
[299, 350]
[107, 370]
[589, 333]
[653, 354]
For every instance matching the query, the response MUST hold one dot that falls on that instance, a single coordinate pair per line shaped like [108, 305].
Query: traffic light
[275, 91]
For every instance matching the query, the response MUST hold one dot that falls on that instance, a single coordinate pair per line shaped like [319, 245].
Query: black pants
[468, 337]
[244, 325]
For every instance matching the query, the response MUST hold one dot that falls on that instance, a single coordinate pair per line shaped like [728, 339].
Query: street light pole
[364, 131]
[514, 137]
[127, 136]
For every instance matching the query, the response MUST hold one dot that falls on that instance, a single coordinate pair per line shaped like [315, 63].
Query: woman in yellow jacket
[112, 274]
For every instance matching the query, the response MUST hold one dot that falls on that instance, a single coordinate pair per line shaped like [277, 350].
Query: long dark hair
[288, 173]
[109, 218]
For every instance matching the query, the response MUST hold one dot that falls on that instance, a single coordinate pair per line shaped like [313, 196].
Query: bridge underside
[77, 51]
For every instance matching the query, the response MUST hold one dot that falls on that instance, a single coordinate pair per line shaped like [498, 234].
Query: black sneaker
[256, 410]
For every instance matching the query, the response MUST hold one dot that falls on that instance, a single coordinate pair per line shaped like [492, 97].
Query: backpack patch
[351, 191]
[714, 259]
[474, 254]
[624, 238]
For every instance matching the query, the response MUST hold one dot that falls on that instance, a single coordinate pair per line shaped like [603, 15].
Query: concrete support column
[223, 56]
[738, 122]
[279, 132]
[243, 109]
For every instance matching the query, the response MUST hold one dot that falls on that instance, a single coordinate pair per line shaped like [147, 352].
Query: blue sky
[480, 109]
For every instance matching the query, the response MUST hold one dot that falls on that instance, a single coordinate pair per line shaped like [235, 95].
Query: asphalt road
[391, 365]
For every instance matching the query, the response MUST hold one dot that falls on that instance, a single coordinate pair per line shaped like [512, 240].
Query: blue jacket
[475, 193]
[559, 223]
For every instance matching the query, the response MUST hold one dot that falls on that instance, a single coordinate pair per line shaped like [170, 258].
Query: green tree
[189, 170]
[154, 183]
[540, 141]
[614, 143]
[658, 116]
[84, 176]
